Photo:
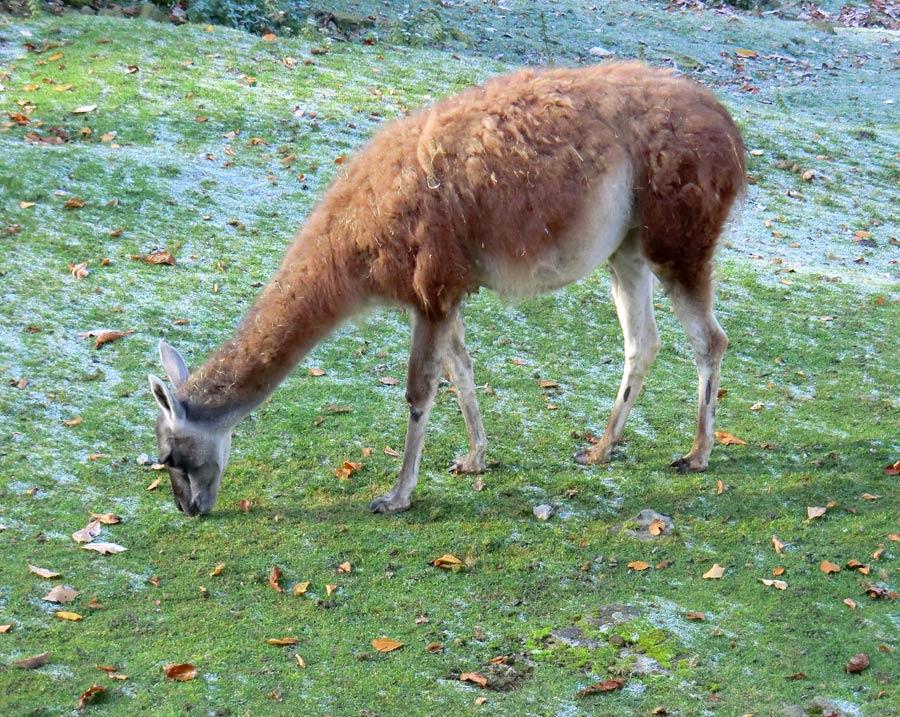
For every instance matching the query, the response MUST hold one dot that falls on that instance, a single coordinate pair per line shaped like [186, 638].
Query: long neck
[305, 299]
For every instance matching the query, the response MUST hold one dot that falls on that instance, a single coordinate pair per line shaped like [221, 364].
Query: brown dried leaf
[79, 271]
[330, 589]
[473, 677]
[386, 644]
[182, 672]
[814, 512]
[777, 544]
[828, 567]
[73, 203]
[104, 548]
[388, 380]
[638, 565]
[779, 584]
[5, 628]
[87, 533]
[84, 109]
[893, 469]
[610, 685]
[282, 640]
[71, 422]
[160, 257]
[714, 573]
[301, 588]
[104, 336]
[849, 602]
[32, 663]
[275, 575]
[699, 616]
[90, 695]
[857, 664]
[43, 572]
[656, 527]
[107, 518]
[345, 567]
[61, 595]
[217, 570]
[316, 371]
[726, 439]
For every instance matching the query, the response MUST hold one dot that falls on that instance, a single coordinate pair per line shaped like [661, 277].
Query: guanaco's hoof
[468, 464]
[590, 457]
[687, 465]
[386, 504]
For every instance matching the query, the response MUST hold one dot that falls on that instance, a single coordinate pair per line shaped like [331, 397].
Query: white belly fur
[604, 221]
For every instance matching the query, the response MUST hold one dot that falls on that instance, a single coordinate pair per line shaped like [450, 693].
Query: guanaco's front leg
[430, 338]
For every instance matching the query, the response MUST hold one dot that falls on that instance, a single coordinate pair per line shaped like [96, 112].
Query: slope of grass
[213, 145]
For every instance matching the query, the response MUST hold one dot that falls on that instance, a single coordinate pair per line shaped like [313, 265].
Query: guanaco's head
[194, 452]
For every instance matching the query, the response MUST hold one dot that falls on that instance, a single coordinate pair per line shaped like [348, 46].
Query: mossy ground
[205, 123]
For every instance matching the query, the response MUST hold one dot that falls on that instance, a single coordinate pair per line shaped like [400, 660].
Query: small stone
[543, 511]
[601, 52]
[143, 460]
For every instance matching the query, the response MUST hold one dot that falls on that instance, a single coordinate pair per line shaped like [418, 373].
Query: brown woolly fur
[479, 188]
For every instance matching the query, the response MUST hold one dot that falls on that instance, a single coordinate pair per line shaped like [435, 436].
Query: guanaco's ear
[176, 368]
[168, 404]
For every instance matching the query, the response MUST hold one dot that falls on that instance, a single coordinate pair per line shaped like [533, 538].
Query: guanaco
[522, 185]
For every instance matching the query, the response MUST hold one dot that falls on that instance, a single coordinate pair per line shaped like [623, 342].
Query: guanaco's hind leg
[430, 339]
[632, 290]
[695, 312]
[458, 364]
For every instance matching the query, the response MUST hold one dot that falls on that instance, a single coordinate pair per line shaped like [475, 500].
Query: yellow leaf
[5, 628]
[386, 644]
[316, 372]
[778, 571]
[26, 205]
[638, 565]
[72, 616]
[84, 109]
[747, 54]
[345, 567]
[849, 602]
[300, 661]
[447, 562]
[301, 588]
[714, 573]
[869, 496]
[217, 570]
[282, 640]
[777, 544]
[330, 589]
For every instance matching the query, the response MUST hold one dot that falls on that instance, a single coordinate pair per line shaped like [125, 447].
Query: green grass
[811, 382]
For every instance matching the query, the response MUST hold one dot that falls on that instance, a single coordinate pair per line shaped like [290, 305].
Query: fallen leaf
[330, 589]
[656, 527]
[849, 602]
[779, 584]
[391, 452]
[5, 628]
[778, 571]
[90, 695]
[43, 572]
[610, 685]
[857, 664]
[639, 565]
[84, 109]
[699, 616]
[70, 616]
[714, 573]
[32, 663]
[107, 518]
[777, 544]
[316, 372]
[154, 485]
[345, 567]
[87, 533]
[447, 562]
[217, 570]
[182, 672]
[893, 469]
[388, 380]
[282, 640]
[828, 567]
[61, 595]
[104, 336]
[869, 496]
[386, 644]
[79, 271]
[720, 487]
[301, 588]
[473, 677]
[74, 203]
[300, 661]
[26, 205]
[159, 257]
[434, 648]
[815, 512]
[894, 536]
[726, 439]
[275, 575]
[107, 668]
[245, 505]
[747, 54]
[104, 548]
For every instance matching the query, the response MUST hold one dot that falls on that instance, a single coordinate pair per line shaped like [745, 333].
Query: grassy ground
[213, 145]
